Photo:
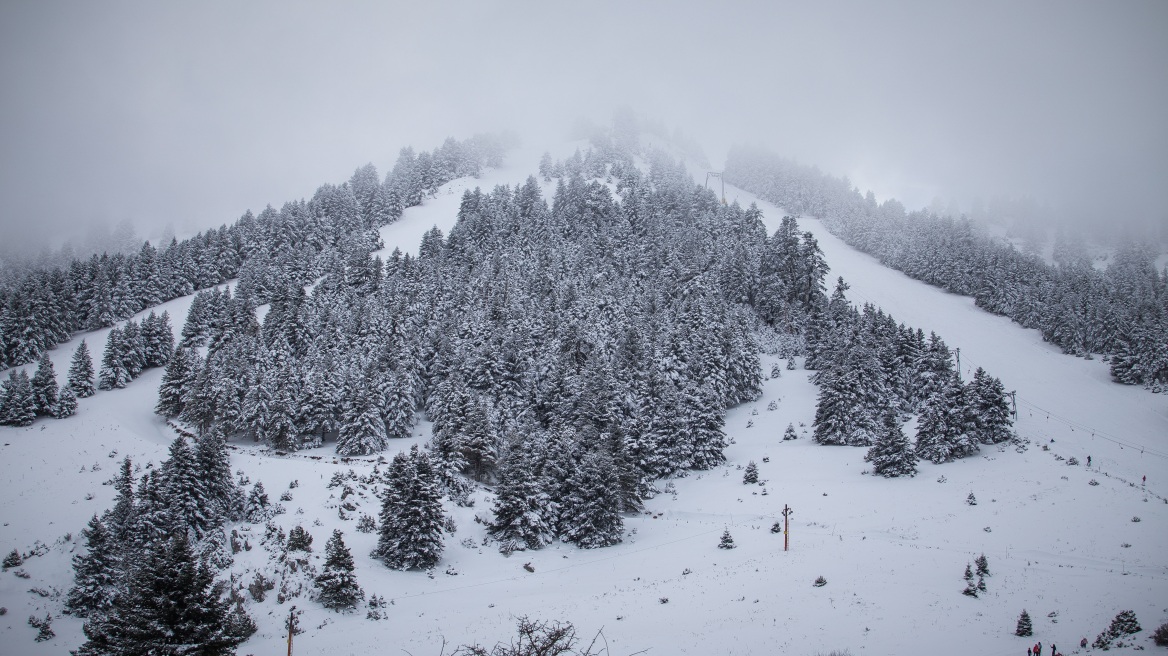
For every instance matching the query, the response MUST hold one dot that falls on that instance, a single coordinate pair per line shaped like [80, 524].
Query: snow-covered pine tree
[750, 476]
[176, 379]
[113, 373]
[524, 512]
[337, 587]
[790, 433]
[590, 516]
[223, 498]
[1024, 627]
[983, 565]
[411, 514]
[133, 349]
[81, 372]
[171, 602]
[843, 414]
[362, 427]
[120, 519]
[1124, 623]
[198, 400]
[942, 433]
[968, 572]
[727, 542]
[257, 509]
[158, 339]
[397, 406]
[300, 539]
[66, 403]
[892, 455]
[183, 490]
[17, 403]
[95, 573]
[989, 413]
[44, 387]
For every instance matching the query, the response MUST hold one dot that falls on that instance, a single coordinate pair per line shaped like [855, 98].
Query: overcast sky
[189, 113]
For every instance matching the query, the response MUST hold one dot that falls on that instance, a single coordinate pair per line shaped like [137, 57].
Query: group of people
[1036, 650]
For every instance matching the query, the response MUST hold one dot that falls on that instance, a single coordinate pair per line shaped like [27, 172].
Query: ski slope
[892, 551]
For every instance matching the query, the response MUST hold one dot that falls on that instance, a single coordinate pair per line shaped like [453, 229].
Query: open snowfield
[892, 551]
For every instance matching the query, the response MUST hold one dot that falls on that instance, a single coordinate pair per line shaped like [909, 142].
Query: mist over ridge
[187, 116]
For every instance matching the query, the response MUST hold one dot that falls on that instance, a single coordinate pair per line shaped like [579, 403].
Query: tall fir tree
[524, 512]
[81, 372]
[171, 605]
[44, 387]
[892, 455]
[113, 373]
[95, 572]
[590, 516]
[362, 427]
[176, 379]
[223, 499]
[337, 587]
[183, 490]
[942, 431]
[17, 402]
[410, 536]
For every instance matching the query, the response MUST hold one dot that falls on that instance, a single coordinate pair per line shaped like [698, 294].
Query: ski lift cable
[1095, 432]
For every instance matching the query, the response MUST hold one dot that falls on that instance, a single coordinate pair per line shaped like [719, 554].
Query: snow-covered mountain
[1072, 545]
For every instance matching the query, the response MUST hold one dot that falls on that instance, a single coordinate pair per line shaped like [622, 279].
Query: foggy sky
[188, 113]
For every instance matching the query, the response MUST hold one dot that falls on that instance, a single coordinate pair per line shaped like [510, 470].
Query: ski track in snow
[892, 551]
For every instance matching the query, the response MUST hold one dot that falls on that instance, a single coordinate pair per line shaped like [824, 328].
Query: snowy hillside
[1069, 551]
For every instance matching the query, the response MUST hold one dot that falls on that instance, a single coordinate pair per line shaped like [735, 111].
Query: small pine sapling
[376, 608]
[299, 539]
[791, 364]
[727, 541]
[1024, 628]
[776, 527]
[981, 586]
[43, 626]
[819, 582]
[750, 477]
[983, 565]
[968, 573]
[773, 405]
[1160, 635]
[366, 524]
[971, 500]
[13, 559]
[790, 433]
[970, 590]
[776, 371]
[1125, 623]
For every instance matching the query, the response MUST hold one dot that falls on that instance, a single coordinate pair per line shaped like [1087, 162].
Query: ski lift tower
[717, 174]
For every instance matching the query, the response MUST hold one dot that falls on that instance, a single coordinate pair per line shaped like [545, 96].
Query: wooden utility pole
[958, 351]
[291, 627]
[786, 528]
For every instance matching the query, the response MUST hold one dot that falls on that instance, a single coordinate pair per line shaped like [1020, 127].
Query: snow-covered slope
[892, 551]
